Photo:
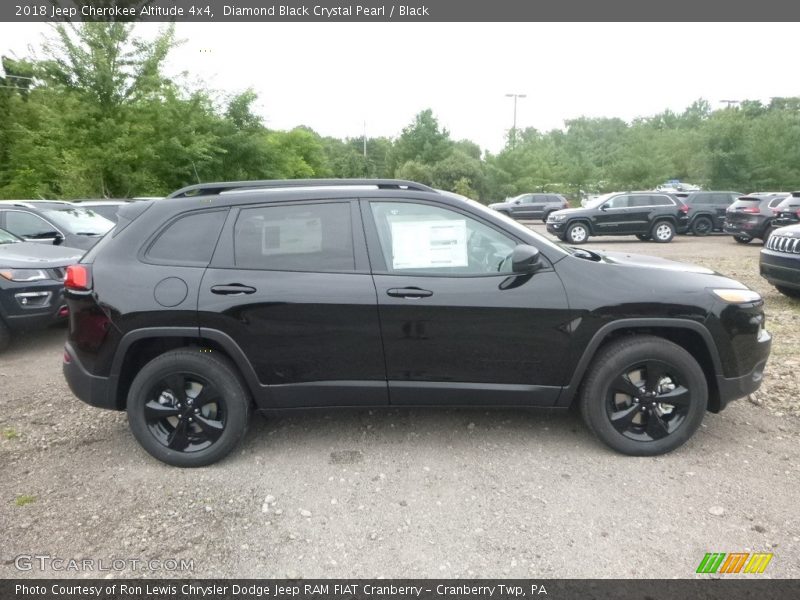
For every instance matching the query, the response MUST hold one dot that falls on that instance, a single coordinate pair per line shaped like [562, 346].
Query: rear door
[459, 327]
[290, 284]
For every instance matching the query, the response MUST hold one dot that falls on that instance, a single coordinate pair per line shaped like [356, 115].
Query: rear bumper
[751, 229]
[92, 389]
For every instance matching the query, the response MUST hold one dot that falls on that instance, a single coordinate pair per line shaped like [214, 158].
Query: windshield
[8, 238]
[79, 221]
[595, 202]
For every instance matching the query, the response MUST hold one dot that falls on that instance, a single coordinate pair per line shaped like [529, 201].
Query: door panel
[307, 320]
[460, 333]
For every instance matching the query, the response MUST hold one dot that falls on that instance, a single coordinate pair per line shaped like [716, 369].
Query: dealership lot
[428, 493]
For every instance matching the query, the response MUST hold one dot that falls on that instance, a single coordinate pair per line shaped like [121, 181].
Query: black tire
[787, 291]
[702, 226]
[577, 233]
[662, 232]
[643, 237]
[639, 425]
[167, 421]
[740, 239]
[5, 336]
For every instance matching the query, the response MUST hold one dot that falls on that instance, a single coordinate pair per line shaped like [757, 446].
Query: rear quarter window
[190, 240]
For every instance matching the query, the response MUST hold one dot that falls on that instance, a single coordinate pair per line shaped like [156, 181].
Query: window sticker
[429, 244]
[291, 236]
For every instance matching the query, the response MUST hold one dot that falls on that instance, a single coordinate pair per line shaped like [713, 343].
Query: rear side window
[302, 237]
[661, 201]
[190, 240]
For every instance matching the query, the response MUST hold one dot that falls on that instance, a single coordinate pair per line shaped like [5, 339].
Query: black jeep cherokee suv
[226, 297]
[647, 215]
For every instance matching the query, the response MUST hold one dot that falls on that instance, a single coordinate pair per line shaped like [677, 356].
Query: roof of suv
[220, 187]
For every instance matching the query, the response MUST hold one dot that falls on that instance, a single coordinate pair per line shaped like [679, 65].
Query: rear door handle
[409, 292]
[233, 289]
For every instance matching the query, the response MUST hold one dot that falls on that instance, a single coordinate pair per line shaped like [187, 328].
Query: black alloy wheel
[188, 407]
[702, 226]
[644, 395]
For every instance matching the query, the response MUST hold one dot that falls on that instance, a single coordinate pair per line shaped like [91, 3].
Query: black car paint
[710, 204]
[741, 223]
[322, 339]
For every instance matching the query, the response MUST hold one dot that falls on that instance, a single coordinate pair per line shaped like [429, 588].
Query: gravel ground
[412, 493]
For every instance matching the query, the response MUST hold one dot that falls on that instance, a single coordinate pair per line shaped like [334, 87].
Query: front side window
[428, 240]
[618, 202]
[28, 225]
[300, 237]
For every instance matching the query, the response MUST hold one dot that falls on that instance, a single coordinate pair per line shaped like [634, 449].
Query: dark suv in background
[780, 260]
[296, 294]
[53, 222]
[751, 216]
[647, 215]
[707, 210]
[531, 206]
[787, 212]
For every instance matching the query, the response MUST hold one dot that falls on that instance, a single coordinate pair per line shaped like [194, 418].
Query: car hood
[500, 204]
[572, 211]
[24, 255]
[653, 262]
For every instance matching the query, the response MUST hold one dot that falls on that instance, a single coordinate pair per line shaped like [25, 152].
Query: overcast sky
[335, 76]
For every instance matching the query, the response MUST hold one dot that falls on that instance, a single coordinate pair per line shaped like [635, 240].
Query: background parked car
[707, 210]
[788, 211]
[779, 262]
[105, 208]
[53, 222]
[531, 206]
[751, 217]
[647, 215]
[31, 284]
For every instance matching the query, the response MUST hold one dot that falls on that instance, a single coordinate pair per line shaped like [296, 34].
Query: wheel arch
[140, 346]
[689, 335]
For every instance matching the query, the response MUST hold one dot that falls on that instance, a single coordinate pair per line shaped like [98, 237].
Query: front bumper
[780, 269]
[556, 228]
[733, 388]
[92, 389]
[24, 307]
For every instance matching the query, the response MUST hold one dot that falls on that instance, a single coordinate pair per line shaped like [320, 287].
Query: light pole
[514, 126]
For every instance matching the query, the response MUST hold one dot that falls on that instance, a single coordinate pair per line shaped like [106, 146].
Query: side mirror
[604, 207]
[517, 202]
[58, 239]
[525, 259]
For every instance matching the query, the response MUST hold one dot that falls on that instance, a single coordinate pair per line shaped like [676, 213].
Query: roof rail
[213, 189]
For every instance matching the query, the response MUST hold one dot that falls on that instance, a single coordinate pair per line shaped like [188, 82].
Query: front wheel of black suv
[740, 239]
[577, 233]
[702, 226]
[644, 396]
[662, 232]
[188, 408]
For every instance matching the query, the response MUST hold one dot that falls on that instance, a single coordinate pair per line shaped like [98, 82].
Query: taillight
[753, 210]
[79, 278]
[798, 212]
[684, 208]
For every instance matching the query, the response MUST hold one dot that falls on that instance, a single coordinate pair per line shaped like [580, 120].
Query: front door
[458, 326]
[290, 283]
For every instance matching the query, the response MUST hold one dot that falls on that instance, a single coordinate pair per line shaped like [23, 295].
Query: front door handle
[233, 289]
[409, 292]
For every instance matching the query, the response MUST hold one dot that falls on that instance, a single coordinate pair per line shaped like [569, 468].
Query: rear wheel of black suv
[702, 226]
[188, 408]
[644, 396]
[742, 239]
[787, 291]
[662, 232]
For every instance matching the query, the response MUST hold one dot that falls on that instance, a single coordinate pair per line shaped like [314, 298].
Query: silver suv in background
[53, 222]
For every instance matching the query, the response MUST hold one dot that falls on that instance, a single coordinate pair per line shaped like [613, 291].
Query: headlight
[735, 296]
[556, 217]
[23, 274]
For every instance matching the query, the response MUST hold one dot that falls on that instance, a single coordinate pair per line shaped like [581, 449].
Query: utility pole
[731, 103]
[514, 126]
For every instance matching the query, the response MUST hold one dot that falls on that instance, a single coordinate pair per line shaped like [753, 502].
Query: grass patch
[24, 499]
[9, 433]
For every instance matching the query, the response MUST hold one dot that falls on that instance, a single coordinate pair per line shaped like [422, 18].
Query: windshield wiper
[86, 233]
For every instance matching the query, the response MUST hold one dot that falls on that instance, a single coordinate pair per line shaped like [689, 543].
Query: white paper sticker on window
[292, 236]
[429, 244]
